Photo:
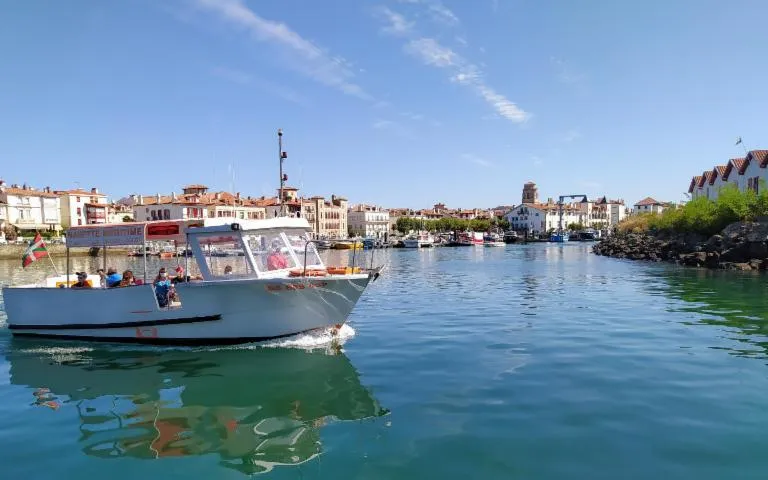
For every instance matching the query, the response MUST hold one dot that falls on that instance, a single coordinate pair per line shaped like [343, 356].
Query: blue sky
[394, 102]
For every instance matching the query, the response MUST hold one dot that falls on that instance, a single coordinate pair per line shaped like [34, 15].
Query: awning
[36, 226]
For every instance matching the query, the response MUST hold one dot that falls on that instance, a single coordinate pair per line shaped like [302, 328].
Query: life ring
[343, 270]
[314, 272]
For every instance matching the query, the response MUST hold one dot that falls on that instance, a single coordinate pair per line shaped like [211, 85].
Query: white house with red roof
[29, 209]
[649, 205]
[746, 173]
[82, 207]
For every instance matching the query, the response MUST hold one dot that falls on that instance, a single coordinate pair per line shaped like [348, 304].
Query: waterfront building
[649, 205]
[117, 213]
[328, 218]
[368, 221]
[82, 207]
[745, 173]
[195, 202]
[29, 209]
[540, 218]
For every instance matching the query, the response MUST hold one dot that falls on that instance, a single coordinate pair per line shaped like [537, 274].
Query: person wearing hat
[180, 277]
[82, 281]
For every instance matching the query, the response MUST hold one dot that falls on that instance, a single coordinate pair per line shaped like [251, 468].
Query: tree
[127, 218]
[11, 233]
[404, 225]
[575, 226]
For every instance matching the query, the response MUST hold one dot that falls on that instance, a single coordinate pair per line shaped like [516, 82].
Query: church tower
[530, 193]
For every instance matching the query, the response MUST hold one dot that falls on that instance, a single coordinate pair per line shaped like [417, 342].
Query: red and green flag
[34, 252]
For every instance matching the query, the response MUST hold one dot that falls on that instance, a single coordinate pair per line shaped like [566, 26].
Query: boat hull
[233, 311]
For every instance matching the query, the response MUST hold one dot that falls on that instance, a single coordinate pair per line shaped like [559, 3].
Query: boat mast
[282, 155]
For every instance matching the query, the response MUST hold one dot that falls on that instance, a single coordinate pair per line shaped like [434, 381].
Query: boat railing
[306, 247]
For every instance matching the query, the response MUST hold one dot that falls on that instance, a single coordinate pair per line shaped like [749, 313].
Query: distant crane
[560, 209]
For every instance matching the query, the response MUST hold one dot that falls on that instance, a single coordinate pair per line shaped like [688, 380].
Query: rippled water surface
[537, 361]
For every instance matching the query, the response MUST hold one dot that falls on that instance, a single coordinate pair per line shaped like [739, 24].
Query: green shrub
[702, 215]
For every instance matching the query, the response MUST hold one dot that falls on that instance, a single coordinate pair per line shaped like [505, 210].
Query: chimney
[2, 182]
[25, 187]
[217, 196]
[94, 190]
[47, 189]
[134, 200]
[237, 195]
[158, 197]
[173, 196]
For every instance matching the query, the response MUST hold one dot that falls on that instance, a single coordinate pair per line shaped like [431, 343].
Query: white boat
[252, 297]
[470, 238]
[493, 240]
[420, 240]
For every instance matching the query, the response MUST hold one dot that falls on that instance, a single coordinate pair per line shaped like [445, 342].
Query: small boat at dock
[420, 240]
[493, 240]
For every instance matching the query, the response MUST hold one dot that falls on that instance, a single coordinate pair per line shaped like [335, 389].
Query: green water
[538, 361]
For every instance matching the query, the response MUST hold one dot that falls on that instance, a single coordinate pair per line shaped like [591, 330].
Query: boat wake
[326, 337]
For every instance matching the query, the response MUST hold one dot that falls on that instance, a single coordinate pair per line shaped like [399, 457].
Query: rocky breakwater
[740, 246]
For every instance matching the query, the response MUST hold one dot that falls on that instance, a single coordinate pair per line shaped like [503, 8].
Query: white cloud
[432, 53]
[465, 73]
[398, 25]
[441, 14]
[412, 116]
[564, 73]
[477, 160]
[311, 61]
[571, 135]
[381, 124]
[461, 40]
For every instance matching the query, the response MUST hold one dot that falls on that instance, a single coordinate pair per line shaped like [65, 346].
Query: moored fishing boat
[267, 292]
[420, 240]
[492, 240]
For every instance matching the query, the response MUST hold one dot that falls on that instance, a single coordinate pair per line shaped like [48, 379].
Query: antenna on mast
[282, 155]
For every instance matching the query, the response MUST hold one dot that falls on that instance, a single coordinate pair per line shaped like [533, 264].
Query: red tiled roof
[736, 163]
[79, 191]
[760, 156]
[704, 178]
[718, 171]
[20, 192]
[694, 182]
[648, 201]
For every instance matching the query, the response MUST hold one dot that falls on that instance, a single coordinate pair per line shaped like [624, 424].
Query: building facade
[368, 221]
[747, 173]
[81, 207]
[29, 209]
[195, 202]
[649, 205]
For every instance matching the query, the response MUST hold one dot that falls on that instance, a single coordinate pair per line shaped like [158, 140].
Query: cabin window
[271, 251]
[224, 254]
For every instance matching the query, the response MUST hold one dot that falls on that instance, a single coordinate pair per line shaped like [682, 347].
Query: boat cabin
[221, 249]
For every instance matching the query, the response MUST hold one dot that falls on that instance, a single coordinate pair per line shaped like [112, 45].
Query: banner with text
[112, 235]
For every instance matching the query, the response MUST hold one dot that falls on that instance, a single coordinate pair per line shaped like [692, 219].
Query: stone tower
[530, 193]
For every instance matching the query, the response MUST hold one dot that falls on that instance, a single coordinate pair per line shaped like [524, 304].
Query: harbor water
[528, 361]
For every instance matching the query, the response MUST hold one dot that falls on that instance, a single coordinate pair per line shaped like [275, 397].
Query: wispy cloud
[476, 159]
[245, 79]
[412, 116]
[537, 161]
[398, 25]
[436, 11]
[571, 135]
[381, 124]
[441, 14]
[311, 60]
[564, 72]
[432, 53]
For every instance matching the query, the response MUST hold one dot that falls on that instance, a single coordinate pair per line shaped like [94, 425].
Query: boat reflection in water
[256, 409]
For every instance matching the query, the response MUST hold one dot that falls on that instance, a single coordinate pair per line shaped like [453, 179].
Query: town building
[118, 213]
[194, 202]
[328, 218]
[28, 209]
[745, 173]
[368, 221]
[649, 205]
[82, 207]
[535, 218]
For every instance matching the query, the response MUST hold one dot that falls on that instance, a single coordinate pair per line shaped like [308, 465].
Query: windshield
[272, 251]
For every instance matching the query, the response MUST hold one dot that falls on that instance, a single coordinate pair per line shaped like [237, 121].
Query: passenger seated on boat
[102, 278]
[82, 281]
[276, 260]
[180, 277]
[113, 278]
[228, 270]
[162, 288]
[127, 279]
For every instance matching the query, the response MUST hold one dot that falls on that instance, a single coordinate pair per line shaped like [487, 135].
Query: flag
[35, 251]
[738, 140]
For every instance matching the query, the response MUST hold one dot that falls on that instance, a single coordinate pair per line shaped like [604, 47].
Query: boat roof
[137, 233]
